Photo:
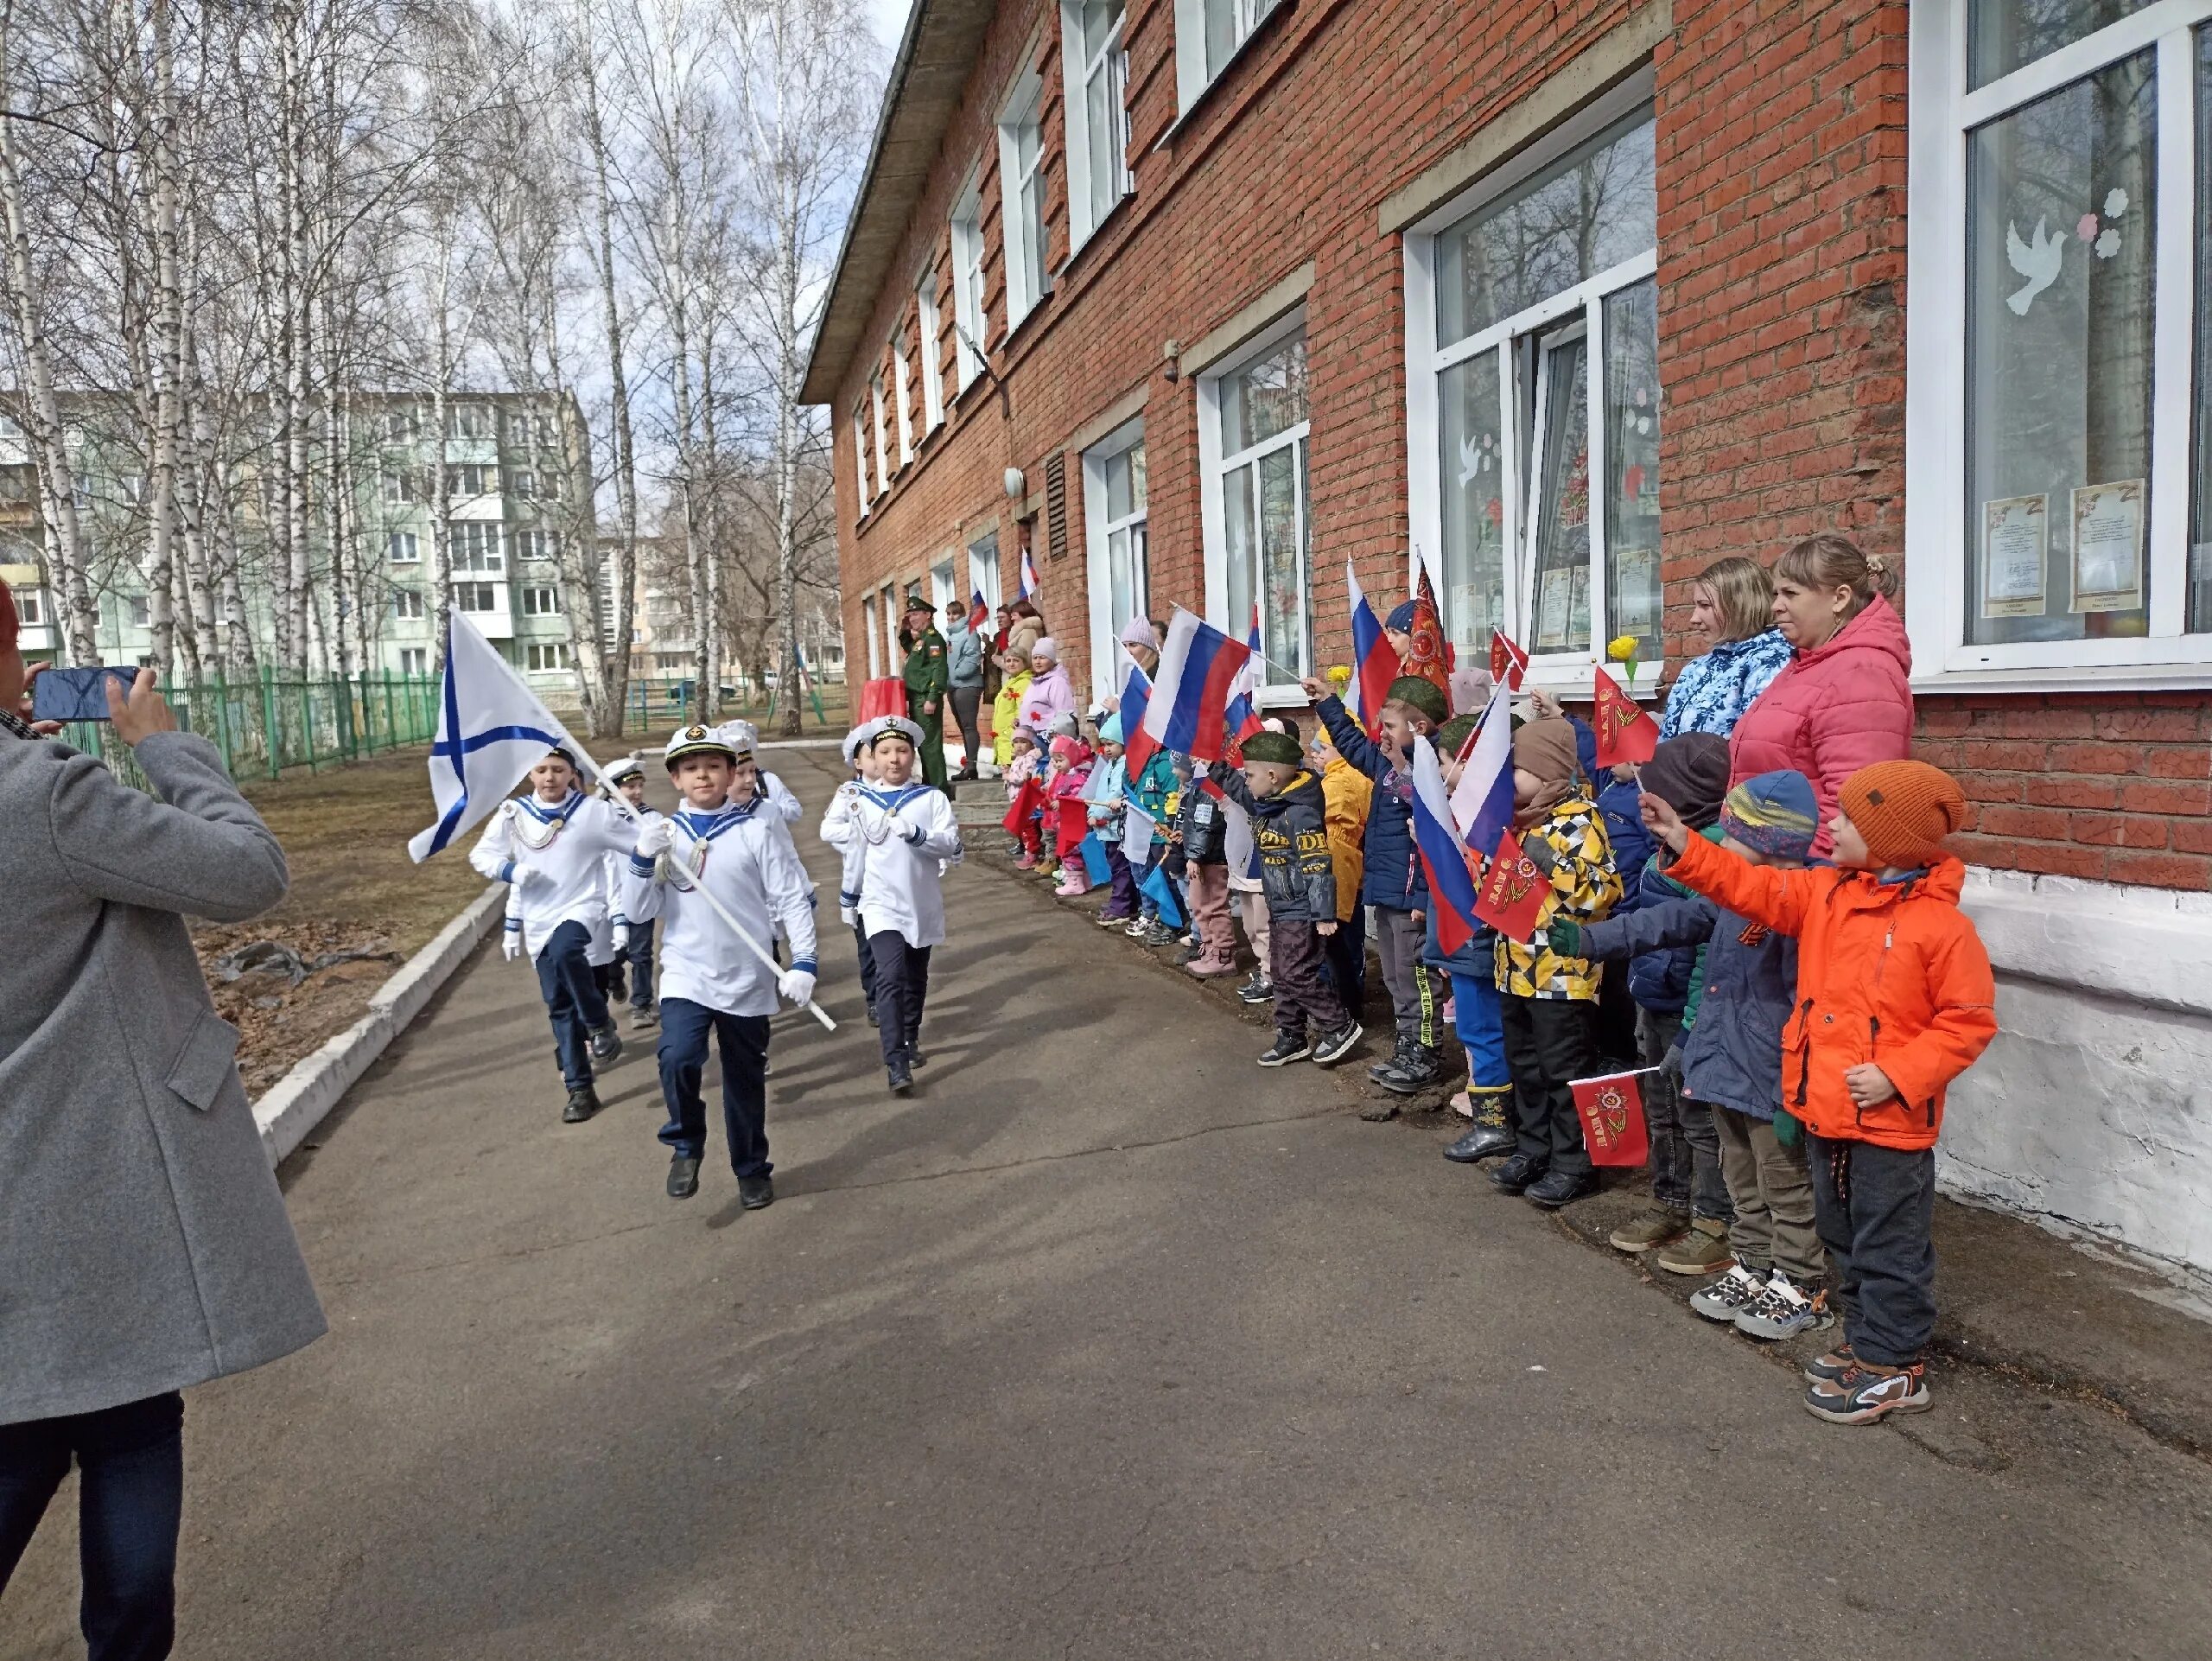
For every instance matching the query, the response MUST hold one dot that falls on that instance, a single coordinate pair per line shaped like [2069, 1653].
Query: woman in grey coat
[143, 1244]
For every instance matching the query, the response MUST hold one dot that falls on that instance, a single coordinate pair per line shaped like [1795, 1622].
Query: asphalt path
[1104, 1344]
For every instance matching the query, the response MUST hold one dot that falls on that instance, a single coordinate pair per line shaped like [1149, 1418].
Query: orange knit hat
[1903, 810]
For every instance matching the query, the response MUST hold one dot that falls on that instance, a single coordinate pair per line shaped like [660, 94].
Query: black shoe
[1515, 1174]
[914, 1056]
[1418, 1072]
[1332, 1048]
[1285, 1049]
[583, 1102]
[1256, 990]
[640, 1019]
[606, 1045]
[1158, 935]
[902, 1076]
[683, 1177]
[966, 776]
[755, 1193]
[871, 1014]
[1481, 1142]
[1554, 1189]
[1396, 1062]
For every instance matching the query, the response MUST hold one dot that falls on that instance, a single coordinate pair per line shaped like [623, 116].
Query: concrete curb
[302, 1098]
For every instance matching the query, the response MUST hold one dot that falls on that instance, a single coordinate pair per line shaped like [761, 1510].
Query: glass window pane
[1140, 568]
[1242, 534]
[1631, 398]
[2061, 258]
[2003, 35]
[1135, 454]
[1282, 557]
[2200, 556]
[1562, 590]
[1591, 210]
[1099, 17]
[1102, 139]
[1264, 399]
[1117, 487]
[1119, 583]
[1474, 503]
[1220, 34]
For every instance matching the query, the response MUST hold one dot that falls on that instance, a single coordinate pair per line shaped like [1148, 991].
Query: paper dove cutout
[2037, 261]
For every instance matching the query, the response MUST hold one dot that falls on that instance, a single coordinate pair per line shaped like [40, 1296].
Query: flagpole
[688, 886]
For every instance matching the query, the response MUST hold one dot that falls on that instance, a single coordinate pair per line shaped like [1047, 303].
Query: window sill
[1184, 118]
[2076, 678]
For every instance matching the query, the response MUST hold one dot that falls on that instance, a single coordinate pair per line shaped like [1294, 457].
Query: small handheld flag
[1095, 865]
[1188, 704]
[1611, 1108]
[978, 613]
[1160, 888]
[1138, 746]
[1028, 578]
[1624, 728]
[1375, 660]
[1431, 657]
[1482, 802]
[1027, 799]
[1508, 662]
[1515, 893]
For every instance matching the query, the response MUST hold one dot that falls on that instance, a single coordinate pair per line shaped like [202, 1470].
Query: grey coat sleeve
[201, 850]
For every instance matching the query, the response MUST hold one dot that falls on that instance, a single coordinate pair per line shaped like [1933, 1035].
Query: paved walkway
[1103, 1345]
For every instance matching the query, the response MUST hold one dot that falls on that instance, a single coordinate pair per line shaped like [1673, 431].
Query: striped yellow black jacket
[1585, 887]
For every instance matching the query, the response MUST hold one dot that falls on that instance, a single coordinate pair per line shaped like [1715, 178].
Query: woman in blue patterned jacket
[1732, 603]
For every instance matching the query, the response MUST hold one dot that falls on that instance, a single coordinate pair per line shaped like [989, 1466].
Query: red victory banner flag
[1513, 893]
[1625, 731]
[1431, 655]
[1027, 801]
[1507, 661]
[1612, 1117]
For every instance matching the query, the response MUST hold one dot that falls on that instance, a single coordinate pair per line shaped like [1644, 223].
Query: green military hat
[1418, 692]
[1278, 747]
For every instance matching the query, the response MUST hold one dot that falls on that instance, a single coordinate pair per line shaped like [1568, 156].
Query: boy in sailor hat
[745, 738]
[633, 942]
[551, 845]
[899, 835]
[711, 983]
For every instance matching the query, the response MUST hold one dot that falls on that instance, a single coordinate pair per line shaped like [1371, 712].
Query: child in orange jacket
[1895, 999]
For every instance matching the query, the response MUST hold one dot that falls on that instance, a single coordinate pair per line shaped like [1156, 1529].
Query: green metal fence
[266, 724]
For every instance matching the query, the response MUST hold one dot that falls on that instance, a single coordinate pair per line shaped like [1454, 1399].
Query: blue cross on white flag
[491, 731]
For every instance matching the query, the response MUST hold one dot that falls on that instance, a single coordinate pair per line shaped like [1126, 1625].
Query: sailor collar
[705, 827]
[536, 823]
[894, 799]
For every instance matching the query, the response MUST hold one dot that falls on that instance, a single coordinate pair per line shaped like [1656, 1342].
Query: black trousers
[902, 985]
[965, 700]
[130, 1498]
[1875, 1209]
[868, 963]
[1549, 1043]
[1345, 954]
[1302, 991]
[685, 1026]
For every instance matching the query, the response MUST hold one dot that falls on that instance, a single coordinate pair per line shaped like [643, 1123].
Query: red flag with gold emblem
[1507, 661]
[1612, 1117]
[1513, 892]
[1430, 655]
[1625, 731]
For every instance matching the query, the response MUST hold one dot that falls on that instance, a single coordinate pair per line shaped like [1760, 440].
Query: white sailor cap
[627, 768]
[742, 736]
[860, 738]
[695, 739]
[889, 726]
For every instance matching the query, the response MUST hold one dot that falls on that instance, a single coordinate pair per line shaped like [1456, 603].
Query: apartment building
[1194, 301]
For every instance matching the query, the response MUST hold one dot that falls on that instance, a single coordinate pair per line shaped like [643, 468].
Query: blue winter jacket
[1712, 692]
[1394, 878]
[1660, 981]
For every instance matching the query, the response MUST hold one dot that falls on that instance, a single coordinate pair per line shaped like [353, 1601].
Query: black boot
[1419, 1071]
[1488, 1135]
[583, 1102]
[1397, 1059]
[901, 1075]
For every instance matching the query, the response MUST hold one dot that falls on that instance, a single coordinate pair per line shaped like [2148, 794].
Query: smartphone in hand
[76, 694]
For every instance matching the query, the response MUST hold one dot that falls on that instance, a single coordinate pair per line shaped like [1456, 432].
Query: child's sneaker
[1158, 934]
[1735, 1291]
[1783, 1309]
[1105, 921]
[1256, 990]
[1867, 1393]
[1285, 1050]
[1071, 887]
[1703, 1250]
[1661, 1225]
[1333, 1046]
[1827, 1369]
[1135, 928]
[1027, 862]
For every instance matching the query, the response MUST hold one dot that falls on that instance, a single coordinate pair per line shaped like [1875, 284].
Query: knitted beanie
[1109, 730]
[1418, 693]
[1400, 617]
[1774, 813]
[1278, 747]
[1903, 810]
[1690, 774]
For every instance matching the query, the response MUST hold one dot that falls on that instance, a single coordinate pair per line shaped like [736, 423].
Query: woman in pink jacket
[1050, 696]
[1844, 700]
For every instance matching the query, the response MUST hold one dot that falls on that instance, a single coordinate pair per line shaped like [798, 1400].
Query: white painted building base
[2091, 1113]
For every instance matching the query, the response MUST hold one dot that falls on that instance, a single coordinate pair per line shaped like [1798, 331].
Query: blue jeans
[130, 1495]
[1480, 1027]
[573, 1000]
[743, 1040]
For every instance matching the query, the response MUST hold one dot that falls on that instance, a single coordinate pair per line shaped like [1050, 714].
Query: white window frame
[882, 456]
[398, 541]
[414, 661]
[552, 657]
[931, 330]
[407, 605]
[984, 567]
[398, 486]
[1941, 114]
[490, 596]
[1214, 466]
[1426, 362]
[903, 386]
[486, 554]
[30, 607]
[1079, 71]
[860, 461]
[971, 323]
[1024, 108]
[541, 600]
[875, 640]
[1192, 76]
[889, 604]
[1109, 669]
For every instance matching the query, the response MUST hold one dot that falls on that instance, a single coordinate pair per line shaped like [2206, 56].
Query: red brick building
[1197, 300]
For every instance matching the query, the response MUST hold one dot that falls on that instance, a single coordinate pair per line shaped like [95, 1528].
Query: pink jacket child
[1070, 813]
[1842, 706]
[1026, 762]
[1050, 695]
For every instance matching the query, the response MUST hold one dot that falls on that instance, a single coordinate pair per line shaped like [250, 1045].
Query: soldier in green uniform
[928, 678]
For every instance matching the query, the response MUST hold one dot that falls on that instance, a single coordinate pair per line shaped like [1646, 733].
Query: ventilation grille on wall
[1055, 504]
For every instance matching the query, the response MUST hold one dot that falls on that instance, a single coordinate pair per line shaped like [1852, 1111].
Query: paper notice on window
[2108, 546]
[1636, 592]
[1553, 593]
[1578, 608]
[2015, 553]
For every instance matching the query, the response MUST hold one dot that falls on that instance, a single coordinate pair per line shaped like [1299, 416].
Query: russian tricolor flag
[1375, 660]
[1482, 802]
[1138, 746]
[1452, 885]
[1028, 577]
[1188, 709]
[978, 613]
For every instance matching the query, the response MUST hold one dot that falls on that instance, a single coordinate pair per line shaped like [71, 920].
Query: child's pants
[573, 1000]
[1252, 907]
[1345, 952]
[1301, 994]
[1209, 910]
[1875, 1207]
[902, 985]
[868, 963]
[1399, 941]
[1685, 1151]
[1478, 1023]
[1121, 894]
[743, 1040]
[1772, 1192]
[1549, 1042]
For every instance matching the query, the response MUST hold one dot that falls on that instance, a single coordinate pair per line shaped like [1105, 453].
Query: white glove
[656, 839]
[796, 985]
[903, 828]
[621, 937]
[510, 944]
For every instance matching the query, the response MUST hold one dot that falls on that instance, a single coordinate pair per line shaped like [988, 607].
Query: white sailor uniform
[904, 837]
[634, 941]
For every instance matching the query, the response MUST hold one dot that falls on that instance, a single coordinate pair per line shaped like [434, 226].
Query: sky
[888, 18]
